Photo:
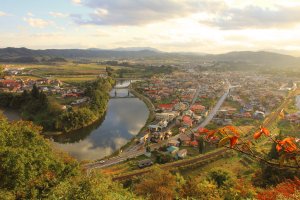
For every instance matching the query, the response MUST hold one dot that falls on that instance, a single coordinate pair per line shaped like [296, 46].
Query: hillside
[261, 57]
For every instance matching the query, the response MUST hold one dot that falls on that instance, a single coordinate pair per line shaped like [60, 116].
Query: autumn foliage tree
[287, 148]
[158, 185]
[285, 190]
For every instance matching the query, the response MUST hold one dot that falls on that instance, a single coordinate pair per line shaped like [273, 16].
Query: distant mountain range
[28, 55]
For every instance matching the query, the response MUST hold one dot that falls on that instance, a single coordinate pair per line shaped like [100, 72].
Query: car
[145, 163]
[102, 161]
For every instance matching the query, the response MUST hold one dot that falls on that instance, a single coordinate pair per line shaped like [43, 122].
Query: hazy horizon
[199, 26]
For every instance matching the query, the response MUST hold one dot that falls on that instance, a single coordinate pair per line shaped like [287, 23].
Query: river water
[11, 115]
[123, 120]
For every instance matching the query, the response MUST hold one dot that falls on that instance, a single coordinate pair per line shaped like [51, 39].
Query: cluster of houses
[173, 96]
[293, 118]
[17, 84]
[14, 71]
[255, 97]
[180, 87]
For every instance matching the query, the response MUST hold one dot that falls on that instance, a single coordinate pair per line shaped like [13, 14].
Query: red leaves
[286, 145]
[233, 141]
[260, 132]
[286, 189]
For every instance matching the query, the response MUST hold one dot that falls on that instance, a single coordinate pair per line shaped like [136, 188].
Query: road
[136, 151]
[196, 95]
[213, 111]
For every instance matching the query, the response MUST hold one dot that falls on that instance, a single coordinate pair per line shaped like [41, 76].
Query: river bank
[126, 115]
[150, 118]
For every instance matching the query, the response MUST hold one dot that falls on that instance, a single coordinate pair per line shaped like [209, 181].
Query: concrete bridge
[115, 96]
[135, 79]
[123, 97]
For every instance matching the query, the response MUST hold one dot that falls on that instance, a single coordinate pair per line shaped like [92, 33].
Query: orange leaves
[210, 134]
[231, 135]
[233, 141]
[257, 135]
[260, 132]
[265, 131]
[286, 145]
[233, 130]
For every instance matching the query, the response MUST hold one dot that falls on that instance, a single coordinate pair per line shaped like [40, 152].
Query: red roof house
[197, 108]
[168, 107]
[187, 120]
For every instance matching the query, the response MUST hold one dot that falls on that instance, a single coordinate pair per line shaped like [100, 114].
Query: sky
[205, 26]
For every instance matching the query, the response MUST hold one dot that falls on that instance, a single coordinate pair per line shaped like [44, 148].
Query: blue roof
[172, 148]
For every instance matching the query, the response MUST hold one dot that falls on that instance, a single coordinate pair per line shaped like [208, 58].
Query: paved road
[196, 95]
[213, 111]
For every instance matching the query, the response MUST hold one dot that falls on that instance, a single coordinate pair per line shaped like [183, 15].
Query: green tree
[222, 177]
[1, 72]
[95, 187]
[199, 189]
[30, 169]
[27, 164]
[35, 92]
[201, 144]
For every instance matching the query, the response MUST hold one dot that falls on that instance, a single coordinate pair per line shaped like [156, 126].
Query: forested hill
[52, 55]
[15, 53]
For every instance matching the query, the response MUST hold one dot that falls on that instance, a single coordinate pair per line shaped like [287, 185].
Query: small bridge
[121, 87]
[123, 97]
[115, 96]
[130, 79]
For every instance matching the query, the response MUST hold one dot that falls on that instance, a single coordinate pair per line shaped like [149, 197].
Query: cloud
[37, 23]
[137, 12]
[76, 1]
[30, 14]
[2, 14]
[255, 17]
[58, 14]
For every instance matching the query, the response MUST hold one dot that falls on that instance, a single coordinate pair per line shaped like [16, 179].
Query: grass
[25, 77]
[75, 79]
[231, 163]
[68, 68]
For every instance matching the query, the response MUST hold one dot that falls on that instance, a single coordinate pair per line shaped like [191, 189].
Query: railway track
[174, 164]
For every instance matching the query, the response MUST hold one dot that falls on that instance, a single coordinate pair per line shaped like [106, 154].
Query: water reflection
[124, 118]
[11, 115]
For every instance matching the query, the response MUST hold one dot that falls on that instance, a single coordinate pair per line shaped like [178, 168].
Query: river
[123, 120]
[11, 115]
